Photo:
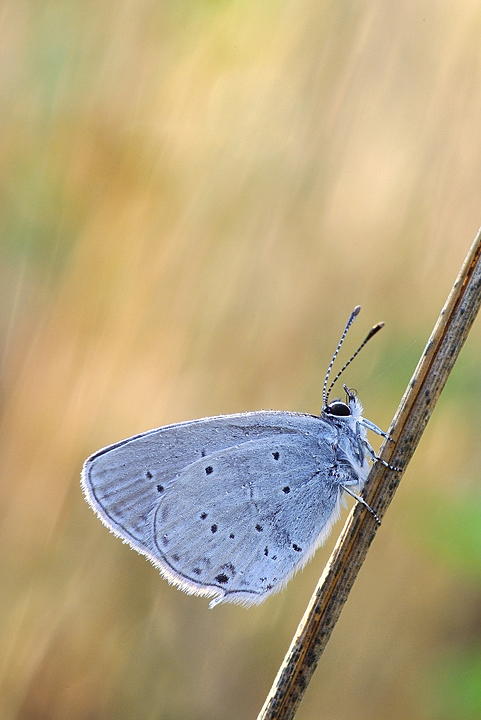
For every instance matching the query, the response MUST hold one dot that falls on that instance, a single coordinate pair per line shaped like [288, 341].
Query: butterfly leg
[370, 426]
[363, 502]
[376, 458]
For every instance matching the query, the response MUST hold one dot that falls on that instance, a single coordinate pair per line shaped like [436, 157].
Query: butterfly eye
[337, 407]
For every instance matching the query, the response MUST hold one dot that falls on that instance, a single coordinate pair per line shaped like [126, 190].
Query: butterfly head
[352, 408]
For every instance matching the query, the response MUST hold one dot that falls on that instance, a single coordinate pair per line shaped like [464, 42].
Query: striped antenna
[370, 334]
[352, 316]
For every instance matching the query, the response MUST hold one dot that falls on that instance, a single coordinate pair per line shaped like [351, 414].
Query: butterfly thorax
[351, 440]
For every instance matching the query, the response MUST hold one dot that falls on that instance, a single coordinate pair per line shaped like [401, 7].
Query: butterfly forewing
[122, 481]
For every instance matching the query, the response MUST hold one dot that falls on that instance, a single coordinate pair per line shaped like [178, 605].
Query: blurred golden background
[194, 197]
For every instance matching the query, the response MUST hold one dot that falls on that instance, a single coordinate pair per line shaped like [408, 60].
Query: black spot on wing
[226, 573]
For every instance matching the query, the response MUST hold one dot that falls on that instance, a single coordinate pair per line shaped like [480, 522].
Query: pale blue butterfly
[230, 507]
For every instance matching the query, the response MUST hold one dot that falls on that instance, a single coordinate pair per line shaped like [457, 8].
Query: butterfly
[231, 507]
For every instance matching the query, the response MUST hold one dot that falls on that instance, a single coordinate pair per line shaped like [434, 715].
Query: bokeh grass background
[194, 195]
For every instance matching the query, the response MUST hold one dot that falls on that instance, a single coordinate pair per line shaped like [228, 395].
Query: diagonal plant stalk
[415, 409]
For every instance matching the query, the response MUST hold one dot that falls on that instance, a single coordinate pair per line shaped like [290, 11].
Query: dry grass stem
[411, 418]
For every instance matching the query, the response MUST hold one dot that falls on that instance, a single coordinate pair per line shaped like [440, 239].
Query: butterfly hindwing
[250, 516]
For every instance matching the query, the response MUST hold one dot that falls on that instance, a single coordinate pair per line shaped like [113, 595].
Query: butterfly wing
[228, 507]
[122, 482]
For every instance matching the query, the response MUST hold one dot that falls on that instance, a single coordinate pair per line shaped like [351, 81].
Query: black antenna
[371, 333]
[352, 317]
